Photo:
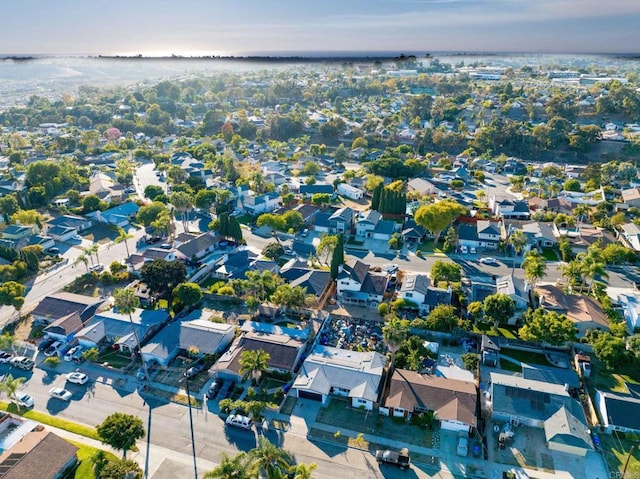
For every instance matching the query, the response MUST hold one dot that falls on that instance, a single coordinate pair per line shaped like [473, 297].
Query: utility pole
[193, 441]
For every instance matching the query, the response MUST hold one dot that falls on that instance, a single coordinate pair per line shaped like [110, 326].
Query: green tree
[183, 203]
[119, 469]
[446, 271]
[535, 267]
[162, 276]
[337, 258]
[611, 350]
[518, 241]
[12, 294]
[8, 207]
[123, 236]
[475, 310]
[92, 203]
[27, 217]
[121, 431]
[436, 217]
[326, 246]
[187, 294]
[82, 258]
[273, 251]
[153, 191]
[320, 199]
[289, 296]
[394, 332]
[10, 386]
[442, 318]
[266, 459]
[275, 222]
[254, 363]
[498, 308]
[231, 467]
[147, 214]
[548, 327]
[470, 361]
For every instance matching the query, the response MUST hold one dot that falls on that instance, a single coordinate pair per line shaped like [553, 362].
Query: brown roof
[40, 454]
[66, 325]
[450, 399]
[577, 307]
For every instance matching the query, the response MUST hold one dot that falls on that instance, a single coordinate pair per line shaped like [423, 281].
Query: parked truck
[400, 459]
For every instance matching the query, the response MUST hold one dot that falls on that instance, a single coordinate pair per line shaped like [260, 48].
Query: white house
[266, 203]
[629, 300]
[351, 192]
[357, 285]
[341, 372]
[417, 289]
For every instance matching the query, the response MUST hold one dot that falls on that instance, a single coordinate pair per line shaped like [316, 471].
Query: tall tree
[337, 259]
[376, 195]
[326, 246]
[535, 267]
[518, 240]
[123, 236]
[82, 258]
[10, 386]
[121, 431]
[498, 308]
[436, 217]
[394, 332]
[231, 467]
[266, 458]
[254, 363]
[126, 302]
[8, 207]
[548, 327]
[187, 294]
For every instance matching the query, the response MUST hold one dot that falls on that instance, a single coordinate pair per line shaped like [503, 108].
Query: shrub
[52, 361]
[91, 355]
[383, 309]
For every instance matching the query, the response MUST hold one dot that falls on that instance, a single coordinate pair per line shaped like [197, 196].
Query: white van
[238, 420]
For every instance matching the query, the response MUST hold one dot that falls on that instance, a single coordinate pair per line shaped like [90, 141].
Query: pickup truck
[400, 459]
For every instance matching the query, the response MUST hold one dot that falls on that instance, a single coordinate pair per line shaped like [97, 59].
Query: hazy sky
[272, 26]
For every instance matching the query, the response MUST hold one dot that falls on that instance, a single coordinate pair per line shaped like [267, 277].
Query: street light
[193, 441]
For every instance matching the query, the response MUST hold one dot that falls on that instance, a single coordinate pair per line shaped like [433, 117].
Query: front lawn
[85, 455]
[115, 359]
[549, 254]
[51, 420]
[427, 246]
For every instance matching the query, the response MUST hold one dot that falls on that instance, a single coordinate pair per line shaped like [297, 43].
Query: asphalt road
[169, 423]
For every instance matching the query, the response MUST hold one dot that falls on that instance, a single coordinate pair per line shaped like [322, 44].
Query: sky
[215, 27]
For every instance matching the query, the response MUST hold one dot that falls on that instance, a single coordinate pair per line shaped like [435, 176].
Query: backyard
[616, 449]
[529, 357]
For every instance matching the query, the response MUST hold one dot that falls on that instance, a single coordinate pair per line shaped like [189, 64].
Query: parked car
[78, 357]
[71, 352]
[54, 349]
[24, 400]
[400, 459]
[215, 388]
[304, 233]
[5, 357]
[22, 362]
[77, 378]
[96, 267]
[463, 446]
[76, 238]
[194, 370]
[140, 374]
[165, 246]
[488, 261]
[60, 393]
[238, 420]
[45, 343]
[473, 250]
[464, 249]
[53, 250]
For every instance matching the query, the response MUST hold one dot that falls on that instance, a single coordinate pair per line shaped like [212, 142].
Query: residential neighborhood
[431, 258]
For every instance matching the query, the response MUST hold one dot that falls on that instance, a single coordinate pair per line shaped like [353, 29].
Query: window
[409, 295]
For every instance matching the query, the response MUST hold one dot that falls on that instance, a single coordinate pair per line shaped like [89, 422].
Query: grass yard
[526, 356]
[616, 450]
[289, 404]
[510, 366]
[549, 254]
[509, 332]
[427, 246]
[51, 420]
[85, 455]
[601, 378]
[115, 359]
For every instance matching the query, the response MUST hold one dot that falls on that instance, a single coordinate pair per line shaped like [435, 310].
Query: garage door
[310, 395]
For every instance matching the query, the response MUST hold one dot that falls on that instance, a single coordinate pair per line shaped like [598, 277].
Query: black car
[45, 344]
[228, 390]
[215, 388]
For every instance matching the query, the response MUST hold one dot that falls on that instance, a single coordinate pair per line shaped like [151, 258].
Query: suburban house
[45, 241]
[118, 216]
[540, 235]
[542, 405]
[121, 329]
[480, 234]
[65, 328]
[198, 247]
[334, 222]
[453, 401]
[17, 232]
[508, 208]
[61, 233]
[629, 300]
[315, 281]
[629, 234]
[424, 187]
[357, 285]
[285, 347]
[631, 196]
[265, 203]
[349, 191]
[307, 191]
[552, 375]
[417, 289]
[515, 289]
[37, 453]
[585, 312]
[78, 223]
[341, 372]
[235, 264]
[413, 232]
[60, 305]
[618, 412]
[371, 225]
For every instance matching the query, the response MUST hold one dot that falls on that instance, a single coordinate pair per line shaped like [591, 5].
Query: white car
[71, 352]
[77, 378]
[5, 357]
[24, 400]
[488, 261]
[96, 267]
[60, 393]
[238, 420]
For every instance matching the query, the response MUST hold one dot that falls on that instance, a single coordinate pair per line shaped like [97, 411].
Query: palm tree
[394, 333]
[182, 202]
[535, 267]
[591, 268]
[254, 363]
[10, 385]
[162, 225]
[126, 301]
[231, 467]
[302, 471]
[88, 253]
[123, 236]
[266, 458]
[572, 271]
[83, 259]
[518, 240]
[580, 211]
